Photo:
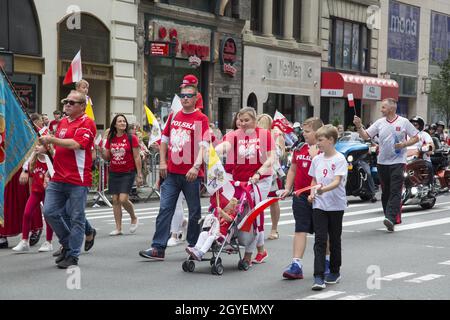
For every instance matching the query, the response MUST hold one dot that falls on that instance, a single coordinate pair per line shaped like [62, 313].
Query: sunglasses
[71, 102]
[187, 95]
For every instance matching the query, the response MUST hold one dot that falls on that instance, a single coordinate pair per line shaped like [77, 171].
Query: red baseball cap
[189, 80]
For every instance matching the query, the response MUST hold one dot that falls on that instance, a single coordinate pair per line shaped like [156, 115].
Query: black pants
[327, 224]
[391, 180]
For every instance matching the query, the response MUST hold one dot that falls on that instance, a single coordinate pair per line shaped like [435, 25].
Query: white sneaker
[23, 246]
[46, 247]
[115, 232]
[133, 227]
[172, 242]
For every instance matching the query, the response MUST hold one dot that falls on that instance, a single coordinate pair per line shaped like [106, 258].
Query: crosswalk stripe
[445, 263]
[359, 296]
[396, 276]
[427, 277]
[324, 295]
[421, 224]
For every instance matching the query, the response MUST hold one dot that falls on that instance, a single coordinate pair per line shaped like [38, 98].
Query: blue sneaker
[327, 267]
[294, 271]
[332, 278]
[319, 284]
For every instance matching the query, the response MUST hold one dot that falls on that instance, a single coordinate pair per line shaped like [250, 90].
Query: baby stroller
[234, 238]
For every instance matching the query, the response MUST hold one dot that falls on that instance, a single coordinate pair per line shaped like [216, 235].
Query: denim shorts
[302, 214]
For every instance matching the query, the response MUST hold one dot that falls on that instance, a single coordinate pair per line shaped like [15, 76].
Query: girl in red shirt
[122, 150]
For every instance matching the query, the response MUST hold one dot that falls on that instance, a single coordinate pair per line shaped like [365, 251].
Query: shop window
[19, 27]
[201, 5]
[278, 18]
[92, 37]
[252, 101]
[256, 16]
[294, 108]
[349, 46]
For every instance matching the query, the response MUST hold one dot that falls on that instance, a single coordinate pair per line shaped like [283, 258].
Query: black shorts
[121, 182]
[302, 214]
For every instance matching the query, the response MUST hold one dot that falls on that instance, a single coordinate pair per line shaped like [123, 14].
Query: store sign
[228, 56]
[195, 61]
[90, 71]
[439, 41]
[190, 40]
[159, 49]
[371, 92]
[332, 93]
[288, 68]
[403, 37]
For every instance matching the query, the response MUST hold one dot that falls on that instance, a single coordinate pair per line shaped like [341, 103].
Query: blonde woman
[265, 121]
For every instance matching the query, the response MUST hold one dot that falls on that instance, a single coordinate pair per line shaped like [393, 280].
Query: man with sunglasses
[184, 142]
[66, 193]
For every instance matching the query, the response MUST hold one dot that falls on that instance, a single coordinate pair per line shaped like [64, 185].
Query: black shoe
[152, 253]
[34, 238]
[389, 225]
[89, 244]
[67, 262]
[374, 199]
[57, 252]
[62, 255]
[4, 245]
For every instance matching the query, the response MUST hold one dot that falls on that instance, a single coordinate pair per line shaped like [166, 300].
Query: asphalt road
[411, 263]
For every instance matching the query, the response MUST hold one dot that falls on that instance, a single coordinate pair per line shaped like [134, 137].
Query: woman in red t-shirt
[251, 148]
[122, 150]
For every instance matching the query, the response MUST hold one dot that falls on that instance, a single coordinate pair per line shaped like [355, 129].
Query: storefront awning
[336, 84]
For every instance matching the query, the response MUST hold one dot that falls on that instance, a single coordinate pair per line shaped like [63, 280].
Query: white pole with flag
[216, 175]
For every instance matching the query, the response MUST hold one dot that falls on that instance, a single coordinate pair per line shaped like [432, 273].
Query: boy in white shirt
[329, 172]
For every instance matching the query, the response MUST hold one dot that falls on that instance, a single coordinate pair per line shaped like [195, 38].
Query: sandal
[273, 235]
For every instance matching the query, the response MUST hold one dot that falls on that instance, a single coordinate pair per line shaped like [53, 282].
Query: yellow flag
[216, 176]
[155, 134]
[150, 116]
[89, 110]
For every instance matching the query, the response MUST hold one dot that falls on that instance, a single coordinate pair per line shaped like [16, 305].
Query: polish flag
[351, 101]
[248, 220]
[75, 73]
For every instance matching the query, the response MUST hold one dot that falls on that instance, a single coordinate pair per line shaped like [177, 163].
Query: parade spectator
[183, 147]
[45, 120]
[265, 121]
[252, 159]
[440, 132]
[57, 114]
[340, 129]
[298, 178]
[37, 168]
[66, 193]
[329, 171]
[392, 131]
[122, 150]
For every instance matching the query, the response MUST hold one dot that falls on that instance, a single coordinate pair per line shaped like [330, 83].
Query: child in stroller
[219, 233]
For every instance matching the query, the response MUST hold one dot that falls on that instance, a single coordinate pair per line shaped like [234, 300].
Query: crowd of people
[252, 153]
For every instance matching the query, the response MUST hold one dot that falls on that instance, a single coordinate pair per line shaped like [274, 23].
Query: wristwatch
[197, 166]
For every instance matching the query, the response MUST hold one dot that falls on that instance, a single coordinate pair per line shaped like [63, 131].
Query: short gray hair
[391, 102]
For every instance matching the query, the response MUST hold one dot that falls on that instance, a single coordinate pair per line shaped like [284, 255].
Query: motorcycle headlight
[405, 174]
[350, 158]
[414, 191]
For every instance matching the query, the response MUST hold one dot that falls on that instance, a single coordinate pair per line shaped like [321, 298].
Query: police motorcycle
[440, 162]
[355, 150]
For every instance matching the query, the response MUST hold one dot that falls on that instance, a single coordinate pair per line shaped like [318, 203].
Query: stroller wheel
[191, 266]
[185, 266]
[243, 265]
[219, 269]
[213, 260]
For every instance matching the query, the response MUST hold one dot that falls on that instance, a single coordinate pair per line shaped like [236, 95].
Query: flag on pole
[17, 137]
[248, 220]
[351, 101]
[280, 121]
[155, 134]
[216, 175]
[89, 110]
[75, 72]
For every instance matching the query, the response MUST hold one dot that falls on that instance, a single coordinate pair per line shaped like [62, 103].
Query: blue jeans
[170, 190]
[64, 201]
[87, 227]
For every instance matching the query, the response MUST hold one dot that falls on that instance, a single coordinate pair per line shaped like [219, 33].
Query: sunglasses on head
[187, 95]
[71, 102]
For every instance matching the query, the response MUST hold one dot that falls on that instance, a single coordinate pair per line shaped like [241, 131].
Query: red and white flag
[351, 101]
[75, 73]
[282, 123]
[248, 220]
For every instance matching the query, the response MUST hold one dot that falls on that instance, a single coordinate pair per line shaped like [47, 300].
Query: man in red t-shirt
[184, 142]
[191, 80]
[67, 191]
[299, 178]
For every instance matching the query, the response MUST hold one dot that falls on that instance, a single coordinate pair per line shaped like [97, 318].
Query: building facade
[282, 58]
[43, 38]
[203, 38]
[413, 43]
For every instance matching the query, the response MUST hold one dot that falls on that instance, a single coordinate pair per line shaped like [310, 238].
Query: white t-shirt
[324, 171]
[390, 133]
[424, 139]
